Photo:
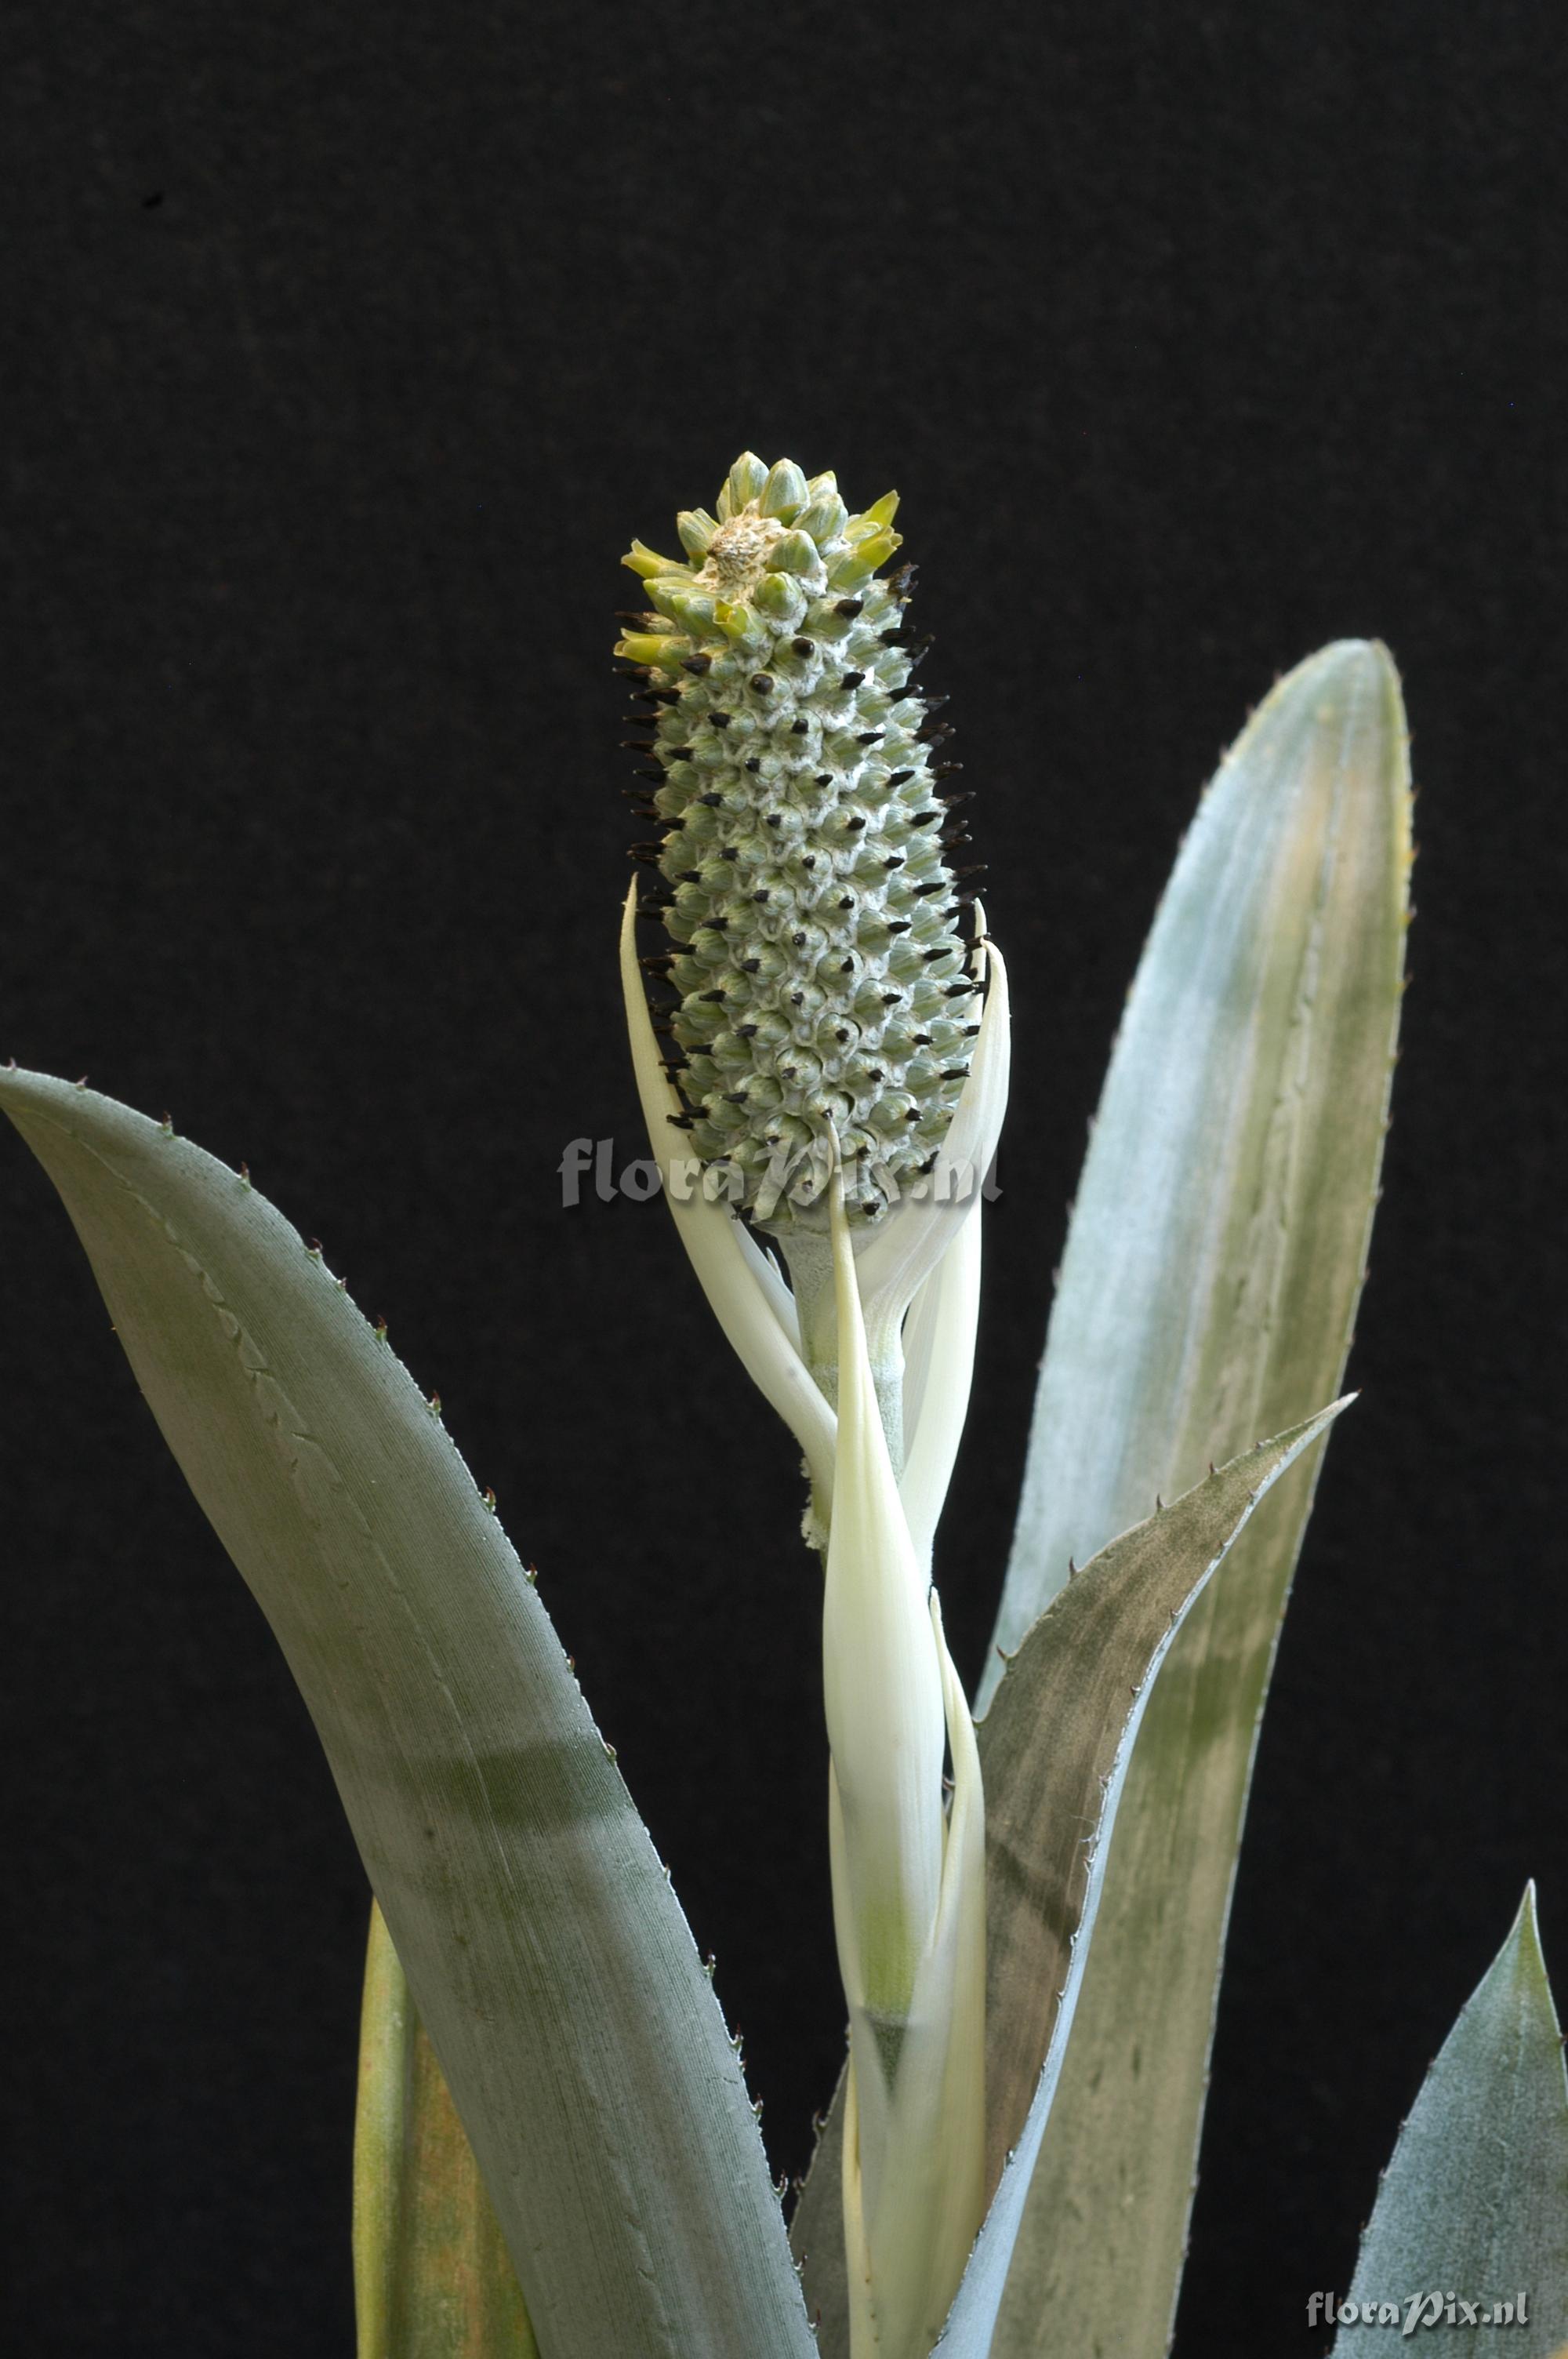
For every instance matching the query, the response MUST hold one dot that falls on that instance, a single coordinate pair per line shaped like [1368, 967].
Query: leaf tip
[1524, 1933]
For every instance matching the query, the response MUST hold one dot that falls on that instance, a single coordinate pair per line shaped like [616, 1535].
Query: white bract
[908, 1876]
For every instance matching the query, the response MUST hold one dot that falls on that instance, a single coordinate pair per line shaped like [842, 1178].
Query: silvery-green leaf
[433, 2278]
[1054, 1754]
[547, 1953]
[1208, 1294]
[1474, 2206]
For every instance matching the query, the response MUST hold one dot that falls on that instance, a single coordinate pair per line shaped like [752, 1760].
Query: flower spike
[822, 1009]
[838, 1074]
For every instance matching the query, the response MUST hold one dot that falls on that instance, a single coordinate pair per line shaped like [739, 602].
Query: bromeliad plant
[1006, 2168]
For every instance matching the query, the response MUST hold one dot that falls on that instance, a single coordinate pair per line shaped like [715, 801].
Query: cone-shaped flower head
[825, 1014]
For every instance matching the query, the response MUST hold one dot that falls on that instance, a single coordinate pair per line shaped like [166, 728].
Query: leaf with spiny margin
[1054, 1753]
[546, 1950]
[1475, 2199]
[1207, 1293]
[433, 2278]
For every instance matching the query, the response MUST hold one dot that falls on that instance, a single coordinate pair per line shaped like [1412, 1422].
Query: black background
[346, 350]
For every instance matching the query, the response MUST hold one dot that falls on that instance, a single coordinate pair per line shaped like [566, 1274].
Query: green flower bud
[743, 487]
[647, 561]
[696, 530]
[825, 517]
[824, 1010]
[795, 553]
[860, 559]
[685, 605]
[783, 493]
[778, 598]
